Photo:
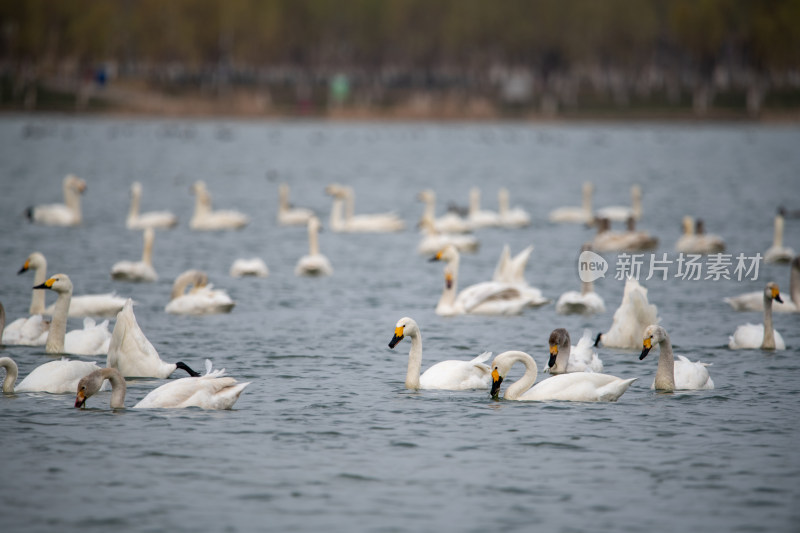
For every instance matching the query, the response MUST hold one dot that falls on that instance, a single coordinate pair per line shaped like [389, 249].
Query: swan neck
[794, 285]
[313, 240]
[768, 343]
[665, 374]
[637, 205]
[350, 206]
[450, 290]
[587, 287]
[562, 360]
[430, 208]
[147, 250]
[37, 298]
[133, 212]
[586, 201]
[502, 203]
[777, 239]
[414, 362]
[337, 223]
[474, 202]
[526, 381]
[118, 387]
[283, 199]
[11, 373]
[72, 199]
[58, 324]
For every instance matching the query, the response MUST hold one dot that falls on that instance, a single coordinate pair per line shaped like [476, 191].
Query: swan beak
[47, 284]
[25, 267]
[646, 349]
[80, 399]
[776, 294]
[553, 355]
[496, 381]
[437, 257]
[398, 336]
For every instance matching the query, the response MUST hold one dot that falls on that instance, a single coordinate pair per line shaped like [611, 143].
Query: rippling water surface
[326, 438]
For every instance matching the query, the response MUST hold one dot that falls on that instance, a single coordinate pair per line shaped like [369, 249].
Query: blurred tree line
[518, 49]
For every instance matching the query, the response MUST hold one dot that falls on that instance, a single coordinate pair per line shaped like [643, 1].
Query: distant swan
[249, 267]
[287, 214]
[778, 253]
[621, 241]
[764, 336]
[138, 270]
[447, 223]
[151, 219]
[477, 217]
[55, 377]
[565, 358]
[434, 240]
[343, 218]
[201, 299]
[210, 391]
[673, 375]
[315, 263]
[574, 387]
[444, 375]
[206, 219]
[695, 241]
[93, 339]
[66, 214]
[620, 213]
[632, 316]
[580, 215]
[132, 354]
[754, 301]
[585, 302]
[510, 217]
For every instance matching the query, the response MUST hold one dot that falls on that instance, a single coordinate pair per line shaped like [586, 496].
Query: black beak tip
[643, 354]
[21, 270]
[597, 340]
[778, 298]
[41, 286]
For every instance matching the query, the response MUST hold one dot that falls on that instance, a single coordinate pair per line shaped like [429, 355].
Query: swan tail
[212, 373]
[482, 358]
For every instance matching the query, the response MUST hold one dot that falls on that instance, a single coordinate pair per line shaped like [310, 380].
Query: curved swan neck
[118, 386]
[147, 250]
[768, 343]
[39, 277]
[665, 374]
[777, 239]
[58, 324]
[516, 389]
[11, 373]
[414, 362]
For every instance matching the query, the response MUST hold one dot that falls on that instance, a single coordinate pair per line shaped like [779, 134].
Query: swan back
[211, 391]
[130, 352]
[633, 315]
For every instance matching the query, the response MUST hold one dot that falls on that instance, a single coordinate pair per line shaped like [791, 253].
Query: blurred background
[404, 58]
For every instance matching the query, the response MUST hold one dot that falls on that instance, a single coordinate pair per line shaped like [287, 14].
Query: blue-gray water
[326, 438]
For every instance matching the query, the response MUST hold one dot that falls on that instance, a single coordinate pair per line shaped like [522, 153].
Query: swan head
[35, 260]
[136, 189]
[75, 183]
[314, 224]
[426, 195]
[336, 190]
[59, 283]
[88, 386]
[559, 340]
[405, 326]
[772, 292]
[198, 187]
[653, 334]
[688, 225]
[502, 364]
[448, 253]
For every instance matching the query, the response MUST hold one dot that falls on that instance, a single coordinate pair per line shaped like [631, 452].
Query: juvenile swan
[445, 375]
[565, 359]
[210, 391]
[764, 336]
[66, 214]
[575, 387]
[55, 377]
[673, 375]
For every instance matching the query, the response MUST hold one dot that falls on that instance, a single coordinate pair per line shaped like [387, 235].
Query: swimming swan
[249, 267]
[696, 241]
[55, 377]
[510, 217]
[631, 317]
[93, 339]
[444, 375]
[343, 217]
[66, 214]
[764, 336]
[621, 241]
[151, 219]
[138, 270]
[580, 215]
[206, 219]
[433, 240]
[672, 375]
[201, 299]
[103, 305]
[565, 358]
[575, 387]
[210, 391]
[619, 213]
[477, 217]
[778, 253]
[313, 264]
[754, 301]
[447, 223]
[287, 214]
[585, 302]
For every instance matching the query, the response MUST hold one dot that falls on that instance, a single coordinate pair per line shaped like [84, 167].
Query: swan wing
[93, 339]
[57, 377]
[458, 375]
[131, 352]
[579, 387]
[747, 336]
[207, 392]
[583, 357]
[27, 331]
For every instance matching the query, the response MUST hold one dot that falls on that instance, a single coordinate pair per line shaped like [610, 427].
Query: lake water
[326, 438]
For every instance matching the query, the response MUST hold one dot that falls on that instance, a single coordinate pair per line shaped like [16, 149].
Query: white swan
[565, 358]
[695, 241]
[202, 298]
[138, 270]
[510, 217]
[103, 305]
[287, 214]
[210, 391]
[93, 339]
[447, 223]
[207, 219]
[55, 377]
[488, 298]
[672, 375]
[574, 387]
[631, 317]
[433, 240]
[580, 215]
[249, 267]
[477, 217]
[621, 241]
[764, 336]
[444, 375]
[26, 331]
[778, 253]
[585, 302]
[315, 263]
[132, 354]
[620, 213]
[754, 301]
[151, 219]
[343, 218]
[66, 214]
